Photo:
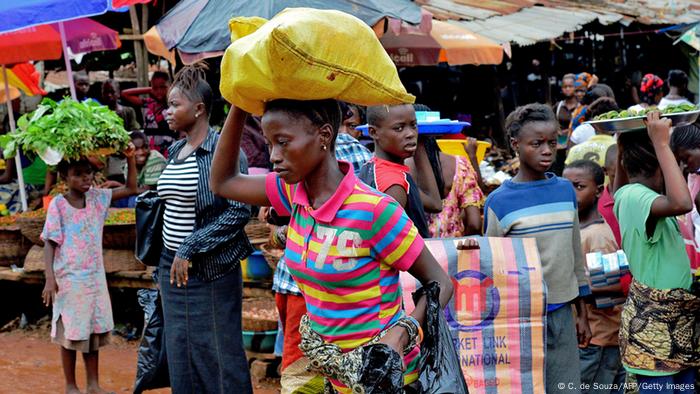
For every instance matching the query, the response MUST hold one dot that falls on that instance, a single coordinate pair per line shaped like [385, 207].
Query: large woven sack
[307, 54]
[497, 315]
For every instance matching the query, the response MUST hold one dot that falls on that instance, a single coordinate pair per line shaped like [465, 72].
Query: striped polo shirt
[345, 257]
[177, 186]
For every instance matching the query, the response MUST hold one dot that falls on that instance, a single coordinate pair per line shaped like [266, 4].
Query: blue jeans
[682, 382]
[203, 334]
[601, 370]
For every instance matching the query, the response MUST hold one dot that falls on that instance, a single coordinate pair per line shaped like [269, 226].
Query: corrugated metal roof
[524, 23]
[534, 24]
[448, 9]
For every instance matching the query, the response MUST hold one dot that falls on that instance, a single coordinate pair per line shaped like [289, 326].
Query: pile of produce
[69, 128]
[115, 216]
[8, 220]
[39, 213]
[671, 109]
[121, 216]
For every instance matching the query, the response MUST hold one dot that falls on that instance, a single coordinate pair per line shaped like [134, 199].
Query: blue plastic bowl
[259, 341]
[442, 126]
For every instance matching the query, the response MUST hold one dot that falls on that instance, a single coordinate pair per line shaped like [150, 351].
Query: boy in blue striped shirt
[537, 204]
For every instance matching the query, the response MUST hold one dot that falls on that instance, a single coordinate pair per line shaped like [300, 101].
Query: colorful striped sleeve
[280, 194]
[395, 240]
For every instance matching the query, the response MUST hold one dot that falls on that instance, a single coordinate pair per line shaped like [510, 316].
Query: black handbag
[149, 227]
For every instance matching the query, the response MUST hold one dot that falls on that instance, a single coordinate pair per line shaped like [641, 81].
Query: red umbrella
[124, 3]
[45, 42]
[33, 43]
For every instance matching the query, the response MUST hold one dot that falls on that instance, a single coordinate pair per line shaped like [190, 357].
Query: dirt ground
[30, 363]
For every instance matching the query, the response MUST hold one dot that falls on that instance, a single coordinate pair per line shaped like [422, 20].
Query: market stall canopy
[33, 43]
[125, 3]
[445, 42]
[15, 15]
[43, 42]
[198, 29]
[534, 24]
[12, 92]
[691, 37]
[20, 77]
[526, 22]
[85, 35]
[29, 13]
[24, 77]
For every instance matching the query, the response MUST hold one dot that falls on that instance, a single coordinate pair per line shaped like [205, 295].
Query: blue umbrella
[16, 15]
[199, 28]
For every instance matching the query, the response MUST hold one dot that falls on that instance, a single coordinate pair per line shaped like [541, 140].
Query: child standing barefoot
[75, 275]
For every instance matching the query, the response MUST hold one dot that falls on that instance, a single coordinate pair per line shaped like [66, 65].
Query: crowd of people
[354, 214]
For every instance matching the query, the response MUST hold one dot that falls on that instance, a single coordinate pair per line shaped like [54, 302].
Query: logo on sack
[476, 301]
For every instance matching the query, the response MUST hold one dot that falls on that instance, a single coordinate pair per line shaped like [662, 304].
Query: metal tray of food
[635, 123]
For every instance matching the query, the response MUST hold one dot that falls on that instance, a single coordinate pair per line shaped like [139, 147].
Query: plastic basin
[259, 341]
[255, 267]
[456, 147]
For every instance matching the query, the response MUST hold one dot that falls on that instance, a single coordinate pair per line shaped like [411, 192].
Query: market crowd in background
[575, 189]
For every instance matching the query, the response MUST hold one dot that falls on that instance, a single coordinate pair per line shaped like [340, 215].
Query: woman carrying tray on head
[346, 242]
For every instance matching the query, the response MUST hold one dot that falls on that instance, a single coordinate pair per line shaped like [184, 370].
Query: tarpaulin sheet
[497, 314]
[208, 31]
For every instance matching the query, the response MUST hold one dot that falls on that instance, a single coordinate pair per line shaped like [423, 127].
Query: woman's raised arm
[226, 179]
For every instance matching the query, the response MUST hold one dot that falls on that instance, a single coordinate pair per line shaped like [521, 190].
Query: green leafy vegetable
[75, 129]
[671, 109]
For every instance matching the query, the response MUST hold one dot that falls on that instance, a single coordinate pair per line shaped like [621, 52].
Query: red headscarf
[650, 87]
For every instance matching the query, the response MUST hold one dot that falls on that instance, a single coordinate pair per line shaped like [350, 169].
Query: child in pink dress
[75, 277]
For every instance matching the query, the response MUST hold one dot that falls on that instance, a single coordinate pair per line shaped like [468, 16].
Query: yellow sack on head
[307, 54]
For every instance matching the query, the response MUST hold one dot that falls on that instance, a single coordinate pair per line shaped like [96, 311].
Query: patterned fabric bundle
[329, 360]
[497, 314]
[660, 329]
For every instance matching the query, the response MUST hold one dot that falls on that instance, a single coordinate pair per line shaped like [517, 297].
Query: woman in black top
[204, 241]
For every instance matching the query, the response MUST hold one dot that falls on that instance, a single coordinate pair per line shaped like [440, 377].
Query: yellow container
[456, 147]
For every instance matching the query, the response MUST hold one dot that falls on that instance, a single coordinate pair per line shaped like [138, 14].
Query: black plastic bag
[152, 363]
[381, 370]
[440, 371]
[149, 227]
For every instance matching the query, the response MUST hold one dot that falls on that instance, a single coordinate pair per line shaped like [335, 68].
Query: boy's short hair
[601, 106]
[638, 155]
[569, 76]
[377, 113]
[593, 169]
[113, 83]
[611, 155]
[528, 113]
[598, 91]
[421, 107]
[160, 75]
[138, 135]
[677, 78]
